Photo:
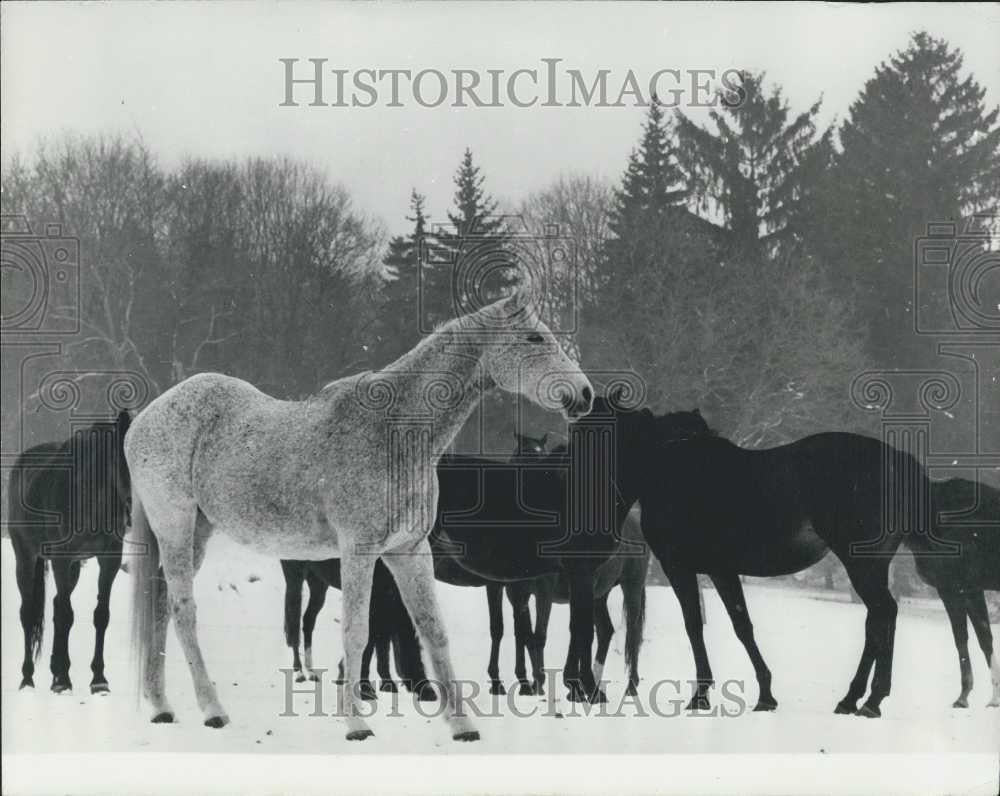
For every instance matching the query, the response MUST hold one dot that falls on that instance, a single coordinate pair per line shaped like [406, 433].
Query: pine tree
[919, 146]
[401, 306]
[755, 171]
[476, 264]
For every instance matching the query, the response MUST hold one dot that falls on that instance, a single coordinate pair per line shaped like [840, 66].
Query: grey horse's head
[521, 355]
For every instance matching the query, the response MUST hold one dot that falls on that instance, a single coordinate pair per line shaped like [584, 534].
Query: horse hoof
[869, 712]
[573, 696]
[993, 703]
[526, 689]
[388, 685]
[961, 702]
[27, 682]
[498, 689]
[598, 697]
[845, 709]
[62, 688]
[426, 693]
[359, 735]
[631, 691]
[217, 722]
[699, 703]
[313, 677]
[765, 705]
[539, 689]
[99, 688]
[468, 735]
[166, 717]
[299, 677]
[368, 692]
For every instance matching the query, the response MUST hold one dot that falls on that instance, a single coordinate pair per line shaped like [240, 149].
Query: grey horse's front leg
[413, 570]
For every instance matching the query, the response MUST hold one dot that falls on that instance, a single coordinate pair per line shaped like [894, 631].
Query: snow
[811, 645]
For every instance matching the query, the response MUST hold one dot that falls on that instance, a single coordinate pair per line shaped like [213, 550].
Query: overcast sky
[205, 79]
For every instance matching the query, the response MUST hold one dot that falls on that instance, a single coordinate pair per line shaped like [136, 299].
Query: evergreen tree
[919, 146]
[475, 264]
[755, 171]
[400, 325]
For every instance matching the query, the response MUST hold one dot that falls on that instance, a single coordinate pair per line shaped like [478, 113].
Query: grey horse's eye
[535, 338]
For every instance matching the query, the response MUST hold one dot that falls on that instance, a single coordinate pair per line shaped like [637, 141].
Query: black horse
[968, 513]
[68, 501]
[710, 506]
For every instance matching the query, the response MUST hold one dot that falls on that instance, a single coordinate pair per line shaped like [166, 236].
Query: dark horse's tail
[634, 610]
[32, 602]
[35, 624]
[149, 595]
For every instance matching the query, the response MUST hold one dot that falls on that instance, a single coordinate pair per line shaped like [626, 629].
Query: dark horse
[710, 506]
[966, 512]
[510, 522]
[68, 502]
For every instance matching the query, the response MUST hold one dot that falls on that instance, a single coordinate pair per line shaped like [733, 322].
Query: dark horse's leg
[685, 586]
[870, 578]
[544, 589]
[317, 599]
[579, 674]
[295, 575]
[109, 565]
[954, 604]
[67, 573]
[31, 584]
[730, 589]
[980, 617]
[519, 595]
[605, 630]
[494, 599]
[395, 624]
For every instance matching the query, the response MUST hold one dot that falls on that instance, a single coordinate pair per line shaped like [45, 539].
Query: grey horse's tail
[148, 589]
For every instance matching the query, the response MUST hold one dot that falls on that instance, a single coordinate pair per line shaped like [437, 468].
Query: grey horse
[349, 473]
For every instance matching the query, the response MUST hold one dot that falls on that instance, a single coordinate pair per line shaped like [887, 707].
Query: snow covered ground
[811, 645]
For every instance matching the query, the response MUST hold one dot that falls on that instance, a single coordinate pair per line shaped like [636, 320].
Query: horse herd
[354, 488]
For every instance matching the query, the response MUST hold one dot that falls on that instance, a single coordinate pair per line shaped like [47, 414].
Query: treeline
[751, 266]
[263, 269]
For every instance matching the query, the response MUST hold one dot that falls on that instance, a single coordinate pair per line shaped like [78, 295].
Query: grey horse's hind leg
[182, 549]
[413, 571]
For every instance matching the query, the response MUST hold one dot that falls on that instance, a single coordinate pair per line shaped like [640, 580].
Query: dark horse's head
[115, 480]
[529, 446]
[620, 433]
[676, 426]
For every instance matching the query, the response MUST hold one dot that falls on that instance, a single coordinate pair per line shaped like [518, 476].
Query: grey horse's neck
[442, 379]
